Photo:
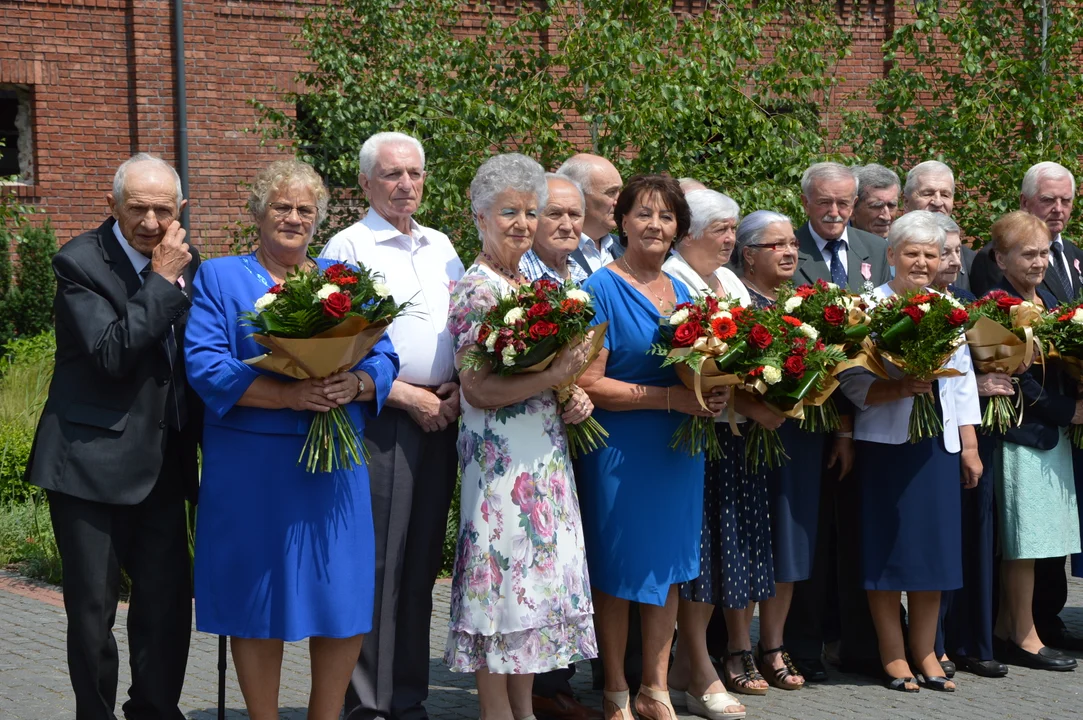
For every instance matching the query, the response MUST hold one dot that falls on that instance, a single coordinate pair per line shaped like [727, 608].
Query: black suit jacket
[577, 255]
[862, 248]
[1047, 406]
[985, 275]
[962, 280]
[103, 434]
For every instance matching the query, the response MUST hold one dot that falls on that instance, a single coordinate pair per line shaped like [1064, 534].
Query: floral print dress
[520, 597]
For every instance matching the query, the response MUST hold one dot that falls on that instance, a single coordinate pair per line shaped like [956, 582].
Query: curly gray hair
[281, 174]
[500, 173]
[918, 226]
[709, 207]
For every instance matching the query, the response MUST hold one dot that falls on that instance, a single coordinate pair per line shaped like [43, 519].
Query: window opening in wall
[17, 150]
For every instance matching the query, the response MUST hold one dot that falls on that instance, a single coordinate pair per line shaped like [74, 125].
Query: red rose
[760, 336]
[712, 304]
[337, 305]
[483, 333]
[539, 309]
[542, 328]
[914, 313]
[277, 289]
[794, 366]
[1007, 302]
[957, 317]
[724, 328]
[822, 284]
[805, 291]
[686, 334]
[819, 346]
[995, 294]
[800, 346]
[332, 273]
[834, 315]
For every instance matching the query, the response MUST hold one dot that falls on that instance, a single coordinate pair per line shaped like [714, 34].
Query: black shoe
[948, 667]
[812, 669]
[982, 668]
[939, 684]
[1045, 659]
[894, 683]
[1063, 640]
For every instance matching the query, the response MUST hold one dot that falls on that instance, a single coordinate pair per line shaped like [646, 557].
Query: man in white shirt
[601, 183]
[930, 185]
[412, 442]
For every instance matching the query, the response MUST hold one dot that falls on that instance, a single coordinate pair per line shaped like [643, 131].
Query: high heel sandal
[777, 677]
[741, 683]
[619, 700]
[659, 696]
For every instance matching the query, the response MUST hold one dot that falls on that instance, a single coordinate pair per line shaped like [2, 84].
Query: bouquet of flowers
[1062, 331]
[918, 332]
[706, 340]
[526, 329]
[1001, 340]
[315, 324]
[841, 322]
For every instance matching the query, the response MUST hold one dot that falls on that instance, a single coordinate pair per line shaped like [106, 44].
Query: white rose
[514, 315]
[581, 295]
[1077, 317]
[490, 342]
[326, 291]
[265, 301]
[679, 317]
[721, 314]
[808, 331]
[832, 286]
[508, 354]
[793, 303]
[771, 374]
[956, 303]
[381, 289]
[924, 307]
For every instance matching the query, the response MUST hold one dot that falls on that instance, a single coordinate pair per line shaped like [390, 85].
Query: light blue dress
[280, 552]
[642, 503]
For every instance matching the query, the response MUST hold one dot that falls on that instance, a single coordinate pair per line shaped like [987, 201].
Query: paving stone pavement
[34, 683]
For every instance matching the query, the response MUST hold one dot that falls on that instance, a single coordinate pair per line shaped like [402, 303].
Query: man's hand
[449, 402]
[424, 407]
[990, 384]
[842, 452]
[171, 255]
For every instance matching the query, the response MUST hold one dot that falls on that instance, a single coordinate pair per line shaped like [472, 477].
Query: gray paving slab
[34, 683]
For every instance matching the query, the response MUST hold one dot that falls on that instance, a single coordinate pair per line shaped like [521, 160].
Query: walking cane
[221, 677]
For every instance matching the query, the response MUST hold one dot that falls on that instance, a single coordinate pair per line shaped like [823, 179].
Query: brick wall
[103, 87]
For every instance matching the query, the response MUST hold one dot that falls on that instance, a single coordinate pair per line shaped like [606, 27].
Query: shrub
[27, 541]
[24, 383]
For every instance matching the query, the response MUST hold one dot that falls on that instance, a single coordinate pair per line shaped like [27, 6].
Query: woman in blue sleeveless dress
[642, 502]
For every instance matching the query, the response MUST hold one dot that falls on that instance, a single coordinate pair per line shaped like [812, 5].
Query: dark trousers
[412, 478]
[149, 541]
[966, 614]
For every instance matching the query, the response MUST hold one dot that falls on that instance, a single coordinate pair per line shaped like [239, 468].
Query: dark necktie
[1059, 273]
[176, 411]
[838, 270]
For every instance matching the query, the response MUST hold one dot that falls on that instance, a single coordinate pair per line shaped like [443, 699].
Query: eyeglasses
[778, 247]
[282, 211]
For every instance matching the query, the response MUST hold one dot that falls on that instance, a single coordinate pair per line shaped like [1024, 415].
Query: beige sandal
[659, 696]
[619, 701]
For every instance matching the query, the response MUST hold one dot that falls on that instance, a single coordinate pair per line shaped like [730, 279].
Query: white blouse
[889, 423]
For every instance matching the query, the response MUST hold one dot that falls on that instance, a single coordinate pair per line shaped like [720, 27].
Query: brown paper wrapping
[330, 352]
[997, 349]
[816, 398]
[867, 358]
[597, 342]
[1072, 365]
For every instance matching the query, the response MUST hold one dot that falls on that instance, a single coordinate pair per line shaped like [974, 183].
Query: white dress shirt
[679, 268]
[889, 423]
[595, 257]
[421, 268]
[138, 259]
[822, 245]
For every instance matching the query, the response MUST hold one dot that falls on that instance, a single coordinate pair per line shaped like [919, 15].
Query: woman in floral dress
[520, 601]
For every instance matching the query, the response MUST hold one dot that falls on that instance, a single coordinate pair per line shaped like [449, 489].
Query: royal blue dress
[280, 552]
[642, 503]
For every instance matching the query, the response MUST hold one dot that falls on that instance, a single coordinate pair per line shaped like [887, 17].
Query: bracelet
[847, 435]
[360, 385]
[667, 399]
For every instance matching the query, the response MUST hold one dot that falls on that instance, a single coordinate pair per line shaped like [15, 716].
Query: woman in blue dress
[281, 554]
[911, 518]
[642, 502]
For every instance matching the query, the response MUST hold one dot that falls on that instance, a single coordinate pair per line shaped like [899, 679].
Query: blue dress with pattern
[642, 503]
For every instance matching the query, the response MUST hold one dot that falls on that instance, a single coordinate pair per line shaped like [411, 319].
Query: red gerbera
[724, 328]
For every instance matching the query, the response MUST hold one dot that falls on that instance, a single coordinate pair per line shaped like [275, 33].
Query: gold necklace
[635, 277]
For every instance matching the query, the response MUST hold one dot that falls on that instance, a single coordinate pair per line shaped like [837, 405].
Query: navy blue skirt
[794, 493]
[911, 516]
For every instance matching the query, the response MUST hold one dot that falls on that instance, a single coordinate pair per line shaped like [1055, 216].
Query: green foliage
[26, 372]
[27, 541]
[658, 90]
[983, 89]
[451, 531]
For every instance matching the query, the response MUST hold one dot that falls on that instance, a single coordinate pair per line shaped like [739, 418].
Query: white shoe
[713, 706]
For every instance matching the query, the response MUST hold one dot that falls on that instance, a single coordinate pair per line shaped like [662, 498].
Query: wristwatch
[360, 385]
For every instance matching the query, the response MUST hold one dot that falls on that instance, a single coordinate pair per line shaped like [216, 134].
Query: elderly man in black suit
[116, 445]
[601, 183]
[830, 605]
[877, 199]
[1048, 192]
[930, 185]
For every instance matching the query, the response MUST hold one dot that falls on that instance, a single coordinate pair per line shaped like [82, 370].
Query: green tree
[989, 89]
[690, 94]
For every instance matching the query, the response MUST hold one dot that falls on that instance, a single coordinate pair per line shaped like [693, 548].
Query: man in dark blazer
[601, 184]
[825, 607]
[115, 448]
[930, 185]
[1048, 192]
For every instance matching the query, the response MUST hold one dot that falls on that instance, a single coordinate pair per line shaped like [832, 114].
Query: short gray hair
[510, 171]
[920, 227]
[947, 224]
[825, 171]
[751, 231]
[367, 157]
[709, 207]
[578, 169]
[1047, 169]
[120, 179]
[281, 174]
[919, 171]
[573, 183]
[874, 177]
